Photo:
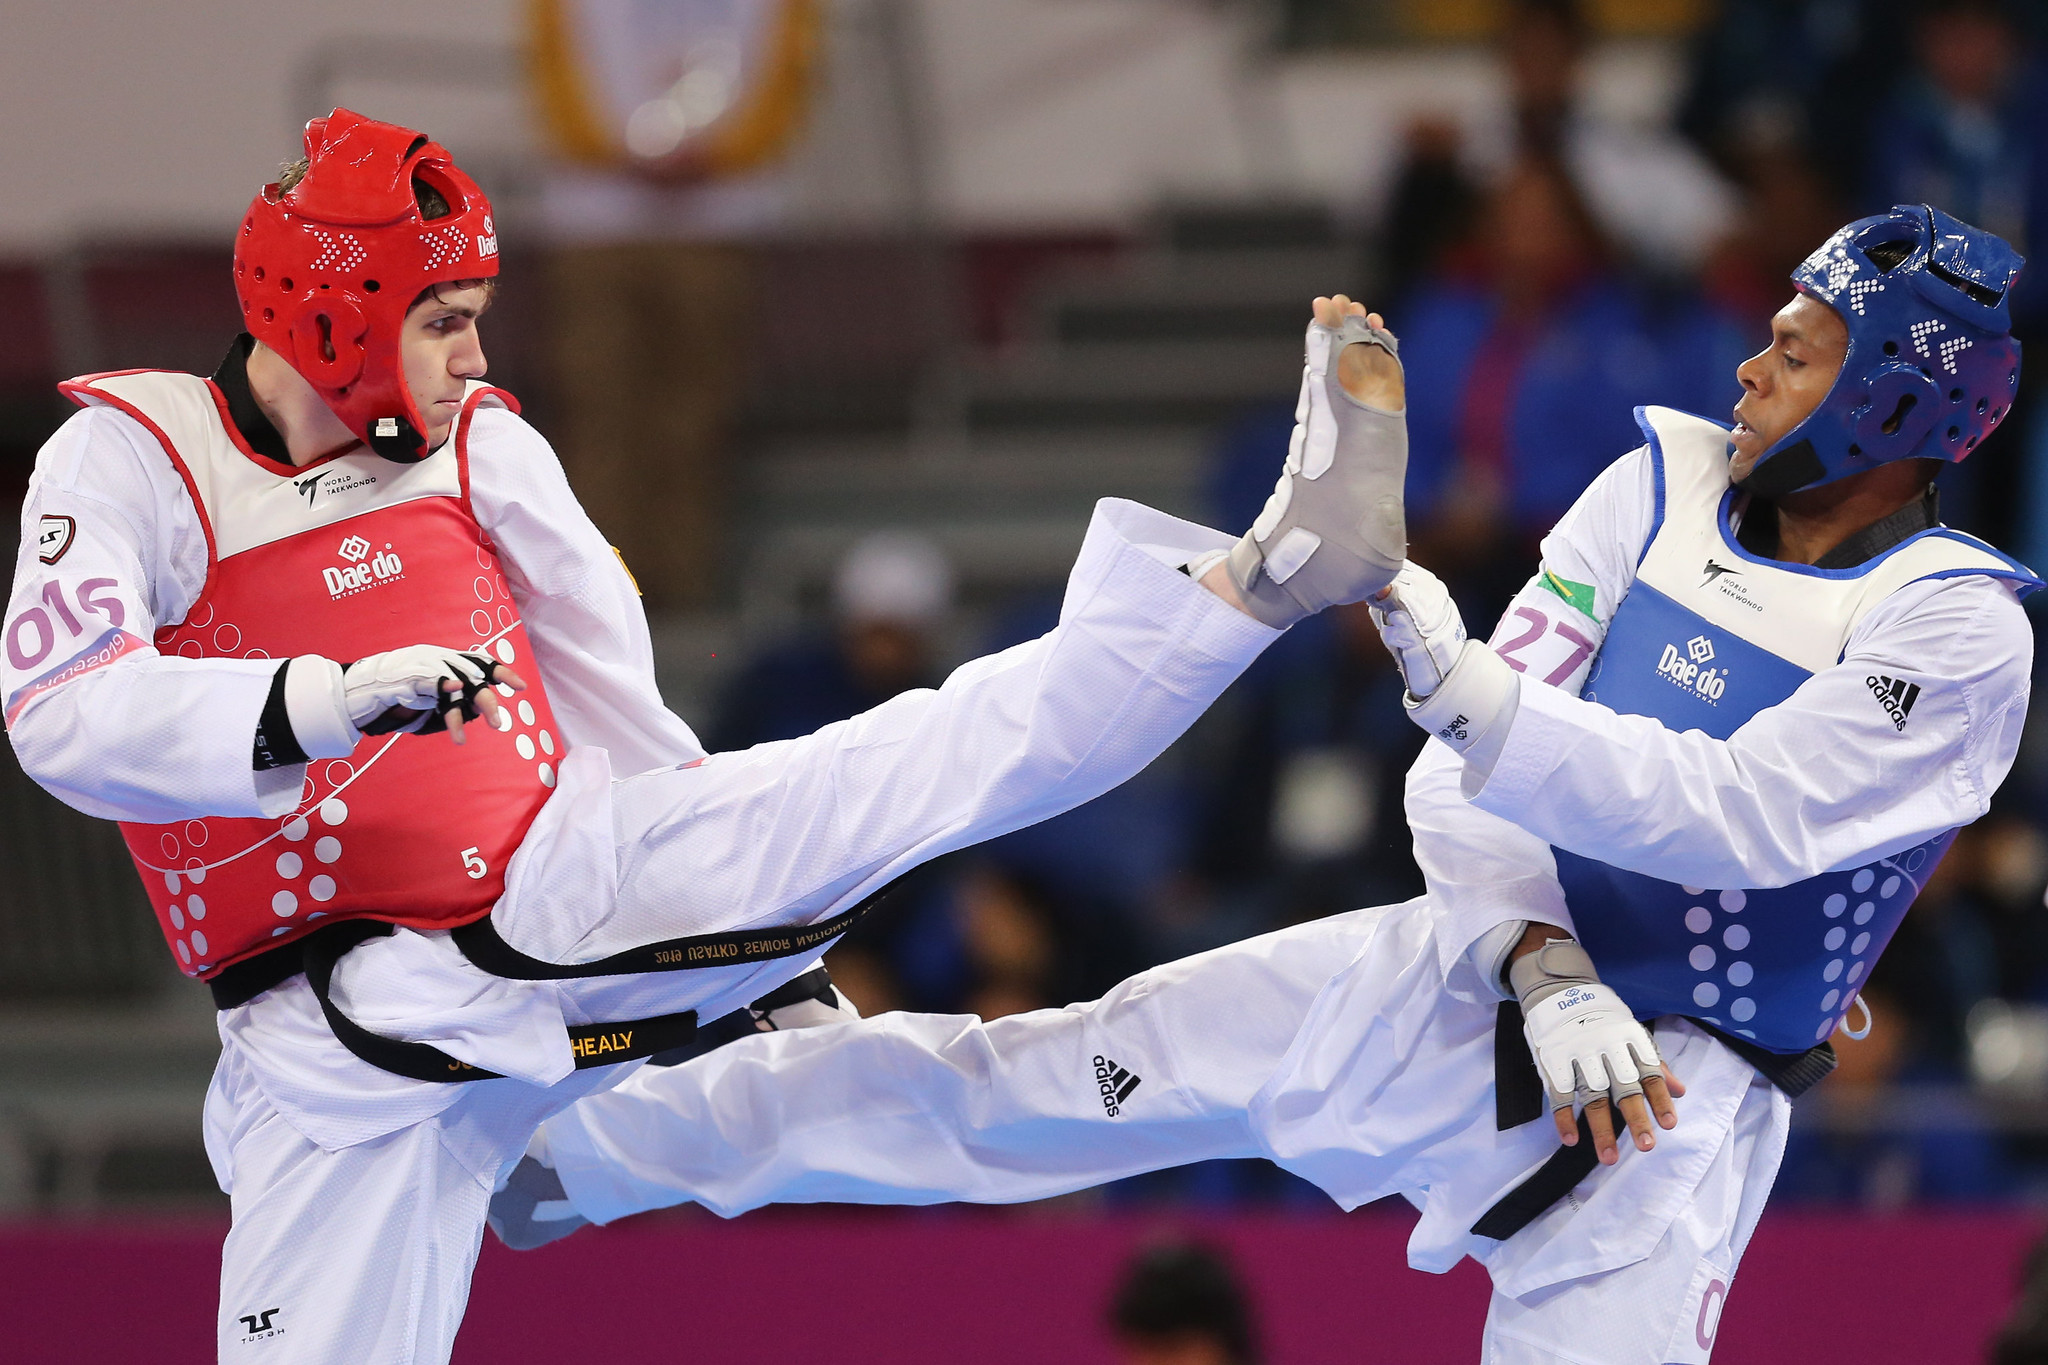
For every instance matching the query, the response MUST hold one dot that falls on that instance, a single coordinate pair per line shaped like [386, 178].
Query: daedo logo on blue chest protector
[1690, 669]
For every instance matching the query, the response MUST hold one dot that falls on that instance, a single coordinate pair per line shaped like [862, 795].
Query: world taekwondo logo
[1727, 582]
[359, 575]
[1689, 669]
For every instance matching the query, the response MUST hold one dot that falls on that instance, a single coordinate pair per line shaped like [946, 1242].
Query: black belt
[1519, 1097]
[481, 943]
[593, 1044]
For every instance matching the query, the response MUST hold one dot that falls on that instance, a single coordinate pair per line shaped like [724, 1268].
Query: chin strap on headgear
[327, 270]
[1931, 368]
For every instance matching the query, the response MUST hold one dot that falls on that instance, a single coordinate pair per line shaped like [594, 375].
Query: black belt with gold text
[315, 957]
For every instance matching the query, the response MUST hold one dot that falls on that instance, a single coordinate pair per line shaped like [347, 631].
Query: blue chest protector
[1708, 636]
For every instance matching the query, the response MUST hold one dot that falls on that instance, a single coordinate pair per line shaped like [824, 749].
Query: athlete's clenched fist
[421, 689]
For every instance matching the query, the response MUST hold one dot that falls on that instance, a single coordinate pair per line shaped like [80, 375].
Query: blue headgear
[1932, 367]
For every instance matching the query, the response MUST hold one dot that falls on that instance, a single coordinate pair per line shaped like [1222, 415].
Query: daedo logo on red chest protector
[361, 571]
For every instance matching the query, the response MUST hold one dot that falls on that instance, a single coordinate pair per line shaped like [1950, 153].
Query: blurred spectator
[1963, 129]
[1650, 192]
[1182, 1304]
[1522, 380]
[670, 123]
[1643, 188]
[2023, 1338]
[1639, 187]
[985, 933]
[1944, 957]
[890, 594]
[1815, 68]
[1842, 1150]
[1011, 950]
[1788, 208]
[1303, 811]
[2012, 867]
[1432, 213]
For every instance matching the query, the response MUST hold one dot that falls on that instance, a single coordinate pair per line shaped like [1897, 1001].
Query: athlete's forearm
[155, 739]
[1481, 871]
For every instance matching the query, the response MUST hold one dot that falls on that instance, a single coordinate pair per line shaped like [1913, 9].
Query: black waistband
[316, 954]
[483, 945]
[236, 985]
[592, 1044]
[1795, 1073]
[1519, 1098]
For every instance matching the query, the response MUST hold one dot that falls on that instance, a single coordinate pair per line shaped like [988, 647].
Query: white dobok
[1358, 1051]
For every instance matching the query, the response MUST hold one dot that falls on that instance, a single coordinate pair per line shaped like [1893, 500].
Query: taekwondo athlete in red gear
[1671, 814]
[246, 607]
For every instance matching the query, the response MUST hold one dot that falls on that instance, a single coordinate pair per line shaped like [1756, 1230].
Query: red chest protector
[346, 557]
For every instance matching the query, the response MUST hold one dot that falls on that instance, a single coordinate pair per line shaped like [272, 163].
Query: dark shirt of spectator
[1817, 67]
[1842, 1148]
[890, 594]
[1964, 129]
[1523, 378]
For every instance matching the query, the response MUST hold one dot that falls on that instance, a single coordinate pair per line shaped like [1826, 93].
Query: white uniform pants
[1330, 1047]
[359, 1197]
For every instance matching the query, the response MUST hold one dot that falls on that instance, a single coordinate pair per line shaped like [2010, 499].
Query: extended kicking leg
[919, 1108]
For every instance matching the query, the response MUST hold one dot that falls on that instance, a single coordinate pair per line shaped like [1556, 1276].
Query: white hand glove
[1421, 627]
[1585, 1041]
[401, 689]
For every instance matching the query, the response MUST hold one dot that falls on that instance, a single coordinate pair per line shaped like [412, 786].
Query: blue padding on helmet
[1931, 353]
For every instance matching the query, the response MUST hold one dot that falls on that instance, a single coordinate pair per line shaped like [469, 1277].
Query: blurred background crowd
[839, 339]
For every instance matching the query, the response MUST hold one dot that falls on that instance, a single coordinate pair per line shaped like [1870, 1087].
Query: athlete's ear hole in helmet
[1891, 424]
[433, 201]
[326, 337]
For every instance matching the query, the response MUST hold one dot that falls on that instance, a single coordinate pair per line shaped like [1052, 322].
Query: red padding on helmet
[327, 271]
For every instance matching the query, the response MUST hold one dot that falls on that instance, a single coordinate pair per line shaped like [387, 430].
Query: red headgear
[327, 270]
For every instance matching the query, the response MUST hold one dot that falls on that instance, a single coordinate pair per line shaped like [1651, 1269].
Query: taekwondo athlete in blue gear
[1709, 755]
[1711, 633]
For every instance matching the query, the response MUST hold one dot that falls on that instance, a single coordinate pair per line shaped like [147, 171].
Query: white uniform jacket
[614, 858]
[1821, 781]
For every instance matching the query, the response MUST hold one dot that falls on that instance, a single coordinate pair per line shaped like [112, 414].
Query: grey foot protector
[1334, 530]
[533, 1209]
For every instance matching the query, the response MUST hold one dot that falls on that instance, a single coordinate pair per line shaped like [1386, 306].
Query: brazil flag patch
[1579, 595]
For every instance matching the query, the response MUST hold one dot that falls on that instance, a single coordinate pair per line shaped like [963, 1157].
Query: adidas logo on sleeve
[1115, 1084]
[1895, 695]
